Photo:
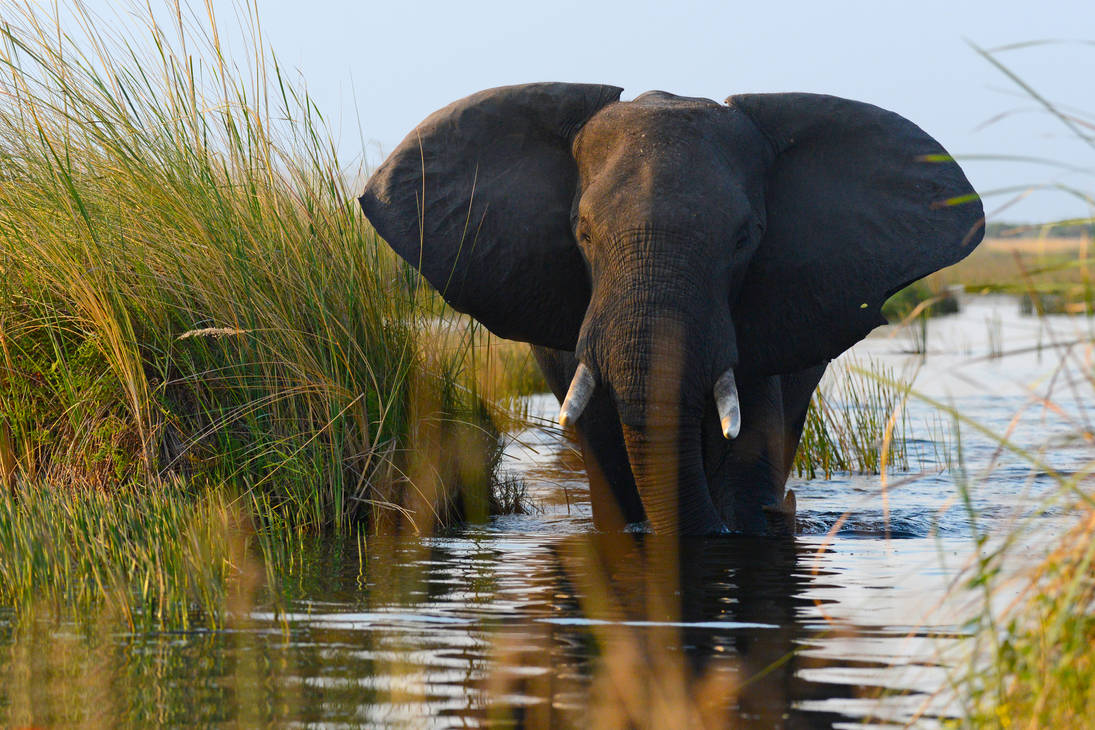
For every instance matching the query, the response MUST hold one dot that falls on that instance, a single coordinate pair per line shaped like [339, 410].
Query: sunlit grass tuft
[856, 424]
[1041, 671]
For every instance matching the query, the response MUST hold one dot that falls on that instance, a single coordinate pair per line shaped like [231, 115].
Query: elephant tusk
[581, 390]
[726, 399]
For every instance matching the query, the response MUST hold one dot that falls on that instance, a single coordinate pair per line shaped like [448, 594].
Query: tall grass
[201, 339]
[189, 287]
[1039, 669]
[159, 558]
[856, 423]
[1033, 636]
[1033, 658]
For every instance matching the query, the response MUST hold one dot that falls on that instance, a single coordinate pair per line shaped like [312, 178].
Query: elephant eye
[743, 239]
[583, 231]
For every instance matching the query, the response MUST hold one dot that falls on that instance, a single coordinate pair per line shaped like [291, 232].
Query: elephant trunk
[668, 467]
[661, 389]
[658, 335]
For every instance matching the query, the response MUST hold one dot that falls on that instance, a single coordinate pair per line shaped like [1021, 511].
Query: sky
[376, 69]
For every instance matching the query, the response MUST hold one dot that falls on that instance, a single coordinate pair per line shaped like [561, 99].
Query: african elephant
[683, 269]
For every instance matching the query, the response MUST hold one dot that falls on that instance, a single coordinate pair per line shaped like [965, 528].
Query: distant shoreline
[1036, 244]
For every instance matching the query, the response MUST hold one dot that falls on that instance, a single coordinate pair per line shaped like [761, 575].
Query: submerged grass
[151, 556]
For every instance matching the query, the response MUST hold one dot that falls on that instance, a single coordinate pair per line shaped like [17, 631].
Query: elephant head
[671, 242]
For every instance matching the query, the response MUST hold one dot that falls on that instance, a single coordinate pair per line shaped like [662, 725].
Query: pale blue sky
[398, 60]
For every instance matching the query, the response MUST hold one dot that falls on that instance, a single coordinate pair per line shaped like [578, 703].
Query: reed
[1039, 670]
[1033, 640]
[1031, 632]
[856, 423]
[190, 291]
[151, 557]
[205, 352]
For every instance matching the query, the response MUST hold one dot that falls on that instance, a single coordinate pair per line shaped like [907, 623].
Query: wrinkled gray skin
[663, 241]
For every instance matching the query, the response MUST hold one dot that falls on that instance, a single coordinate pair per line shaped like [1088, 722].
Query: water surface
[537, 620]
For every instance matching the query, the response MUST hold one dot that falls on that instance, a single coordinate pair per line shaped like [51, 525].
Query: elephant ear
[478, 198]
[860, 203]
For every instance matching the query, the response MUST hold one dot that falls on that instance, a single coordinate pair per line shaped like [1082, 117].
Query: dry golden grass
[1018, 265]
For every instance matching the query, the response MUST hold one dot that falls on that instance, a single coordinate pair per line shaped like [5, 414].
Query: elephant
[684, 270]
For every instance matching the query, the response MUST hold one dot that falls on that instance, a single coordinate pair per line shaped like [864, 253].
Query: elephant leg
[612, 491]
[746, 474]
[798, 388]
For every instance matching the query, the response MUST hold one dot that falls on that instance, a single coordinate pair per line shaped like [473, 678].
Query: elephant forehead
[624, 125]
[675, 134]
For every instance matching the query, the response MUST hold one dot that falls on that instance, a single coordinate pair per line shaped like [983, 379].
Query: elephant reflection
[617, 628]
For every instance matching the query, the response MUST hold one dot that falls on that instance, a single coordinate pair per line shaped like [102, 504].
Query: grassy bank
[1054, 273]
[191, 293]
